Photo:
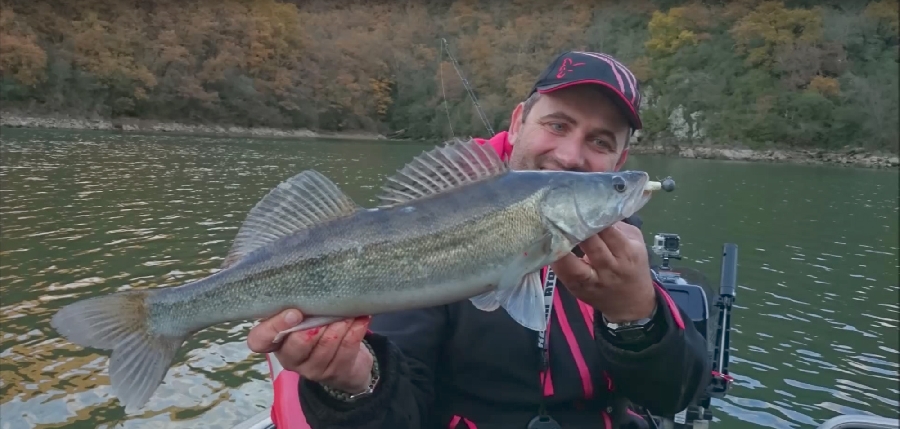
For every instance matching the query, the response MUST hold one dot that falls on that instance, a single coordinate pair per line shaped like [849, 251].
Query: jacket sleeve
[665, 376]
[407, 345]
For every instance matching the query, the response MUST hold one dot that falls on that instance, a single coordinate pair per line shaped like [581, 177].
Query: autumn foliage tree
[21, 58]
[751, 72]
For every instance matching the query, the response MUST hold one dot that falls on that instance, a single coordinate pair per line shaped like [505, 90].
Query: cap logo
[566, 67]
[619, 70]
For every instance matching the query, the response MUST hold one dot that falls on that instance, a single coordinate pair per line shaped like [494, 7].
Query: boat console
[691, 291]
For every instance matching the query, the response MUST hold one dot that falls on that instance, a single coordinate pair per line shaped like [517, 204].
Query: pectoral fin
[525, 301]
[521, 295]
[486, 301]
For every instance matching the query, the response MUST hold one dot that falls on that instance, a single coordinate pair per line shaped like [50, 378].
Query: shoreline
[851, 157]
[848, 157]
[13, 120]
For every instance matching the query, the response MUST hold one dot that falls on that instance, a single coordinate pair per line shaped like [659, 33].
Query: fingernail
[291, 317]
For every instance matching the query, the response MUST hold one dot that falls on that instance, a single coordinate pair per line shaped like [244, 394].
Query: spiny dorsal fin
[457, 163]
[300, 202]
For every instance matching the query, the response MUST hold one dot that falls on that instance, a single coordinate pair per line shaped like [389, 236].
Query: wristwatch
[370, 388]
[631, 332]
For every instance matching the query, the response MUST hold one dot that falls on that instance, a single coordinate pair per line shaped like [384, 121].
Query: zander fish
[455, 223]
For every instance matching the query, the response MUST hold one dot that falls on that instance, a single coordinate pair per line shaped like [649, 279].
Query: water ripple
[90, 213]
[815, 322]
[816, 330]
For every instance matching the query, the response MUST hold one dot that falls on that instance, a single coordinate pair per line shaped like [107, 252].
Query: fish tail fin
[120, 322]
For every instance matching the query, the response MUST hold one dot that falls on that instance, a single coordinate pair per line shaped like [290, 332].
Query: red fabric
[676, 315]
[583, 371]
[588, 313]
[607, 421]
[286, 411]
[456, 419]
[546, 376]
[500, 143]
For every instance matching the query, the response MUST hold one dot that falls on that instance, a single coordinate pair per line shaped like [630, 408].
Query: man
[614, 334]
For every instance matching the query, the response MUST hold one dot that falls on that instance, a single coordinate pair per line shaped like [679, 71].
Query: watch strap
[614, 326]
[634, 335]
[370, 388]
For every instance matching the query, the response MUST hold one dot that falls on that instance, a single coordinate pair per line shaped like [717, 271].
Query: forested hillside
[794, 73]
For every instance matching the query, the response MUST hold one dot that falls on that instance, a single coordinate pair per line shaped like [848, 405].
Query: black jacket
[457, 366]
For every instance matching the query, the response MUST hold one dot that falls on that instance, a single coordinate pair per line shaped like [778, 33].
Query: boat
[687, 287]
[286, 404]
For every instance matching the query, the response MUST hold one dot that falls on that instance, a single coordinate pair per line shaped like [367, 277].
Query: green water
[87, 213]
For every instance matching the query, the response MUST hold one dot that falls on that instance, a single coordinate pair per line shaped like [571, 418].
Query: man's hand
[614, 274]
[332, 355]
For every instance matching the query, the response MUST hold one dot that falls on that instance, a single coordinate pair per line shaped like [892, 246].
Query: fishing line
[446, 47]
[446, 107]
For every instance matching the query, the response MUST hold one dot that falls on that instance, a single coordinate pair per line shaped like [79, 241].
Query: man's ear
[624, 154]
[515, 123]
[622, 159]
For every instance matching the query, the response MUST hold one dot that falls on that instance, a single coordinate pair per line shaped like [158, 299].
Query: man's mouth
[550, 168]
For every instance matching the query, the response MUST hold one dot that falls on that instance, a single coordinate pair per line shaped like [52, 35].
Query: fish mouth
[639, 195]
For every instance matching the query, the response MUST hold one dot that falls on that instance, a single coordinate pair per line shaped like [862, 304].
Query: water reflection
[92, 213]
[815, 325]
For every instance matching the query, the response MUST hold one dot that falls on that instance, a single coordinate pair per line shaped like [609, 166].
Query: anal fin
[312, 322]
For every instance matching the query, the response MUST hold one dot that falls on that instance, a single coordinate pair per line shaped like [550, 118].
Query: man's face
[576, 128]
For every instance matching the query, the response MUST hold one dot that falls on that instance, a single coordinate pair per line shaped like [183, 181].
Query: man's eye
[556, 126]
[602, 144]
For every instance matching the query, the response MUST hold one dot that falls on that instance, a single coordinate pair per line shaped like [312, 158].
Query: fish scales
[375, 258]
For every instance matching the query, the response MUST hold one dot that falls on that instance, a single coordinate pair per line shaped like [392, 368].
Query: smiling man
[614, 335]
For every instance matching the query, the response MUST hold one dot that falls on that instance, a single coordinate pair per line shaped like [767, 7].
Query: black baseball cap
[576, 67]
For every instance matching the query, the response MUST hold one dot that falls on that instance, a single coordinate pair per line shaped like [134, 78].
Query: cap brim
[633, 118]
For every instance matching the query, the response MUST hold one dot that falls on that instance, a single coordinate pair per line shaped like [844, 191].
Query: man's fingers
[349, 348]
[323, 352]
[298, 346]
[631, 232]
[615, 238]
[573, 271]
[598, 252]
[261, 336]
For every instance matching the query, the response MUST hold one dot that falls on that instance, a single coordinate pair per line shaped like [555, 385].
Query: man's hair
[529, 103]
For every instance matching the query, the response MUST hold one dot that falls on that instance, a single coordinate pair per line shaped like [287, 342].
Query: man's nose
[569, 155]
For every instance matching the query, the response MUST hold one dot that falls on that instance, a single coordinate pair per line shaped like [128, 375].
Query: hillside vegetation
[799, 74]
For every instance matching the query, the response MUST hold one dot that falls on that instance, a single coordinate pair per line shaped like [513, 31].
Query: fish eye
[618, 184]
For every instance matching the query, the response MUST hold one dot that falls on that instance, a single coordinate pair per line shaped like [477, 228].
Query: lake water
[88, 213]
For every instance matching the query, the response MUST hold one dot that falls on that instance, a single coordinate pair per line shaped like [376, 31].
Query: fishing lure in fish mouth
[454, 223]
[668, 185]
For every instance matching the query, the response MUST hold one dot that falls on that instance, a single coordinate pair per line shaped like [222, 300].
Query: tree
[20, 56]
[793, 72]
[771, 26]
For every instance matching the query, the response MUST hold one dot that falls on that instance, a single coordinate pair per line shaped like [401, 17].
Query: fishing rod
[446, 47]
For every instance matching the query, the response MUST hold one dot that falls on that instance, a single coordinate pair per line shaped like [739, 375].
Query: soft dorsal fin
[455, 164]
[300, 202]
